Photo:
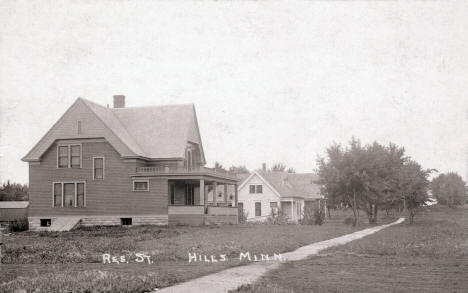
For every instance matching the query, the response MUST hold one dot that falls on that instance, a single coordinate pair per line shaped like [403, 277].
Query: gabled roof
[154, 132]
[14, 204]
[291, 184]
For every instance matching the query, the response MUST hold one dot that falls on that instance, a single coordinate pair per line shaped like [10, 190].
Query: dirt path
[231, 279]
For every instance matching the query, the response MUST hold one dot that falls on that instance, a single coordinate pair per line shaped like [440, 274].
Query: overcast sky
[271, 81]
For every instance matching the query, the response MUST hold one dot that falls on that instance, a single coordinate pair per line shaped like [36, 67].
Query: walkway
[233, 278]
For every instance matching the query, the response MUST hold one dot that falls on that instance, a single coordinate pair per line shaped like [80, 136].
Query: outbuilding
[13, 210]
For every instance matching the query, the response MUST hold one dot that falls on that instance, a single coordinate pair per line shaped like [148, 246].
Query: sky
[271, 81]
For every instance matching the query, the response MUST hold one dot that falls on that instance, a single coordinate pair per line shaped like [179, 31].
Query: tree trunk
[354, 209]
[411, 216]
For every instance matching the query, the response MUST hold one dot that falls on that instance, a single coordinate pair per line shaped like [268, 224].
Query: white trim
[69, 145]
[62, 183]
[70, 154]
[139, 180]
[255, 208]
[263, 179]
[103, 168]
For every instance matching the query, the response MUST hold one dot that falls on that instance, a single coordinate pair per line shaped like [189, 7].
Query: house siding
[249, 199]
[112, 196]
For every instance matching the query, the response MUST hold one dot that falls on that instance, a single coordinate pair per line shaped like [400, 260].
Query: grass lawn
[428, 256]
[72, 261]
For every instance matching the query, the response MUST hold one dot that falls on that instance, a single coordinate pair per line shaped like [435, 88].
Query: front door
[189, 195]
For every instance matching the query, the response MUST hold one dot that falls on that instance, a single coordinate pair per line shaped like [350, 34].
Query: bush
[308, 218]
[19, 225]
[243, 215]
[319, 217]
[277, 218]
[348, 221]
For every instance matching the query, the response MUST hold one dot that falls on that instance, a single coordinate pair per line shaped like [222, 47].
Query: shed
[13, 210]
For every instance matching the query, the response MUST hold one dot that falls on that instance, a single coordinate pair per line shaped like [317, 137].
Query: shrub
[319, 216]
[277, 218]
[308, 218]
[19, 225]
[348, 221]
[243, 215]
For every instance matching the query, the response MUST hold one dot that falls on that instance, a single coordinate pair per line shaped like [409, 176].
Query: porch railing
[155, 170]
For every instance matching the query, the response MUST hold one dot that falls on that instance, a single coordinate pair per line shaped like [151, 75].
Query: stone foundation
[87, 221]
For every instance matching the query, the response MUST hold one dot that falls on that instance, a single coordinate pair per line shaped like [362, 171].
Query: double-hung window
[256, 188]
[69, 156]
[98, 168]
[75, 156]
[63, 156]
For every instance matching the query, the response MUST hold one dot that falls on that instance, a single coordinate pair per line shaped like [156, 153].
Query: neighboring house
[13, 210]
[124, 166]
[264, 192]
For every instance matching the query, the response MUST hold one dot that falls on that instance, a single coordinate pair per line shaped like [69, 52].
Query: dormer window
[69, 156]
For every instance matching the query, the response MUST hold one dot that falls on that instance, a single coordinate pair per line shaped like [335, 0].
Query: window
[141, 185]
[58, 194]
[75, 156]
[46, 222]
[189, 195]
[126, 221]
[172, 193]
[258, 209]
[69, 156]
[98, 168]
[69, 194]
[80, 195]
[273, 204]
[79, 127]
[259, 189]
[63, 157]
[256, 188]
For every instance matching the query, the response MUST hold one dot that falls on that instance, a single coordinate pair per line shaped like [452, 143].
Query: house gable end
[67, 127]
[256, 178]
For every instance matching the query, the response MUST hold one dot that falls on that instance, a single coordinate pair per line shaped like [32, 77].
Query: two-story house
[125, 166]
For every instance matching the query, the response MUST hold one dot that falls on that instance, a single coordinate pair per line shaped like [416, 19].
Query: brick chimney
[264, 167]
[119, 101]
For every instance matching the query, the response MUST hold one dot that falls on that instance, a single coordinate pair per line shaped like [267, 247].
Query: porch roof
[202, 173]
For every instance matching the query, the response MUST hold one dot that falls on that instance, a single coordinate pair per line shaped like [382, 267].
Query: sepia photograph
[233, 146]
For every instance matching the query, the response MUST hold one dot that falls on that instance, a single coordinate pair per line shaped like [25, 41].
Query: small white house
[264, 192]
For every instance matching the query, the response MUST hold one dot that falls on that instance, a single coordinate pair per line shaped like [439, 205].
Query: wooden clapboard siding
[112, 196]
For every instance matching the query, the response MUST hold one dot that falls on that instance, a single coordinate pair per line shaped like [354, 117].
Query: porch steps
[64, 223]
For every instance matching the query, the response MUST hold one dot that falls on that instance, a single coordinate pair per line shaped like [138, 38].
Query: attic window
[79, 127]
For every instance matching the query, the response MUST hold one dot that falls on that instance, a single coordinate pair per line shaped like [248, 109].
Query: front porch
[198, 196]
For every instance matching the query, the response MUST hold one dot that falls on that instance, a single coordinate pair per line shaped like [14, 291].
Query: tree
[368, 177]
[278, 167]
[239, 169]
[13, 191]
[219, 166]
[448, 189]
[413, 186]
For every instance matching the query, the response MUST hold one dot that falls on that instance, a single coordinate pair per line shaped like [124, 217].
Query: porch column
[202, 192]
[235, 195]
[292, 210]
[225, 194]
[215, 195]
